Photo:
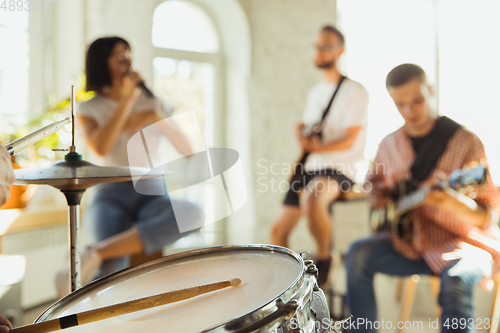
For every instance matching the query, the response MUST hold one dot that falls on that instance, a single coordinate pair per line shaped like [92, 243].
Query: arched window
[181, 25]
[186, 62]
[14, 67]
[186, 74]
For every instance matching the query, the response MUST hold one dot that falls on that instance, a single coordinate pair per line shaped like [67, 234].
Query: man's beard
[326, 65]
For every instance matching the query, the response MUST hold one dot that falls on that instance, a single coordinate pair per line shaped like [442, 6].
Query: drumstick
[16, 146]
[123, 308]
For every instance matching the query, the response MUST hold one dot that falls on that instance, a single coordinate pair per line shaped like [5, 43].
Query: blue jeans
[377, 255]
[117, 207]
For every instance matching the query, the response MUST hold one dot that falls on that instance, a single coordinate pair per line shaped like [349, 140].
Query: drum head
[266, 272]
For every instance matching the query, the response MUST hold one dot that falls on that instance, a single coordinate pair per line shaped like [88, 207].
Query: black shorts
[301, 179]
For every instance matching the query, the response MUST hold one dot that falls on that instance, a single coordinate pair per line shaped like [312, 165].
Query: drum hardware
[305, 255]
[277, 292]
[340, 297]
[282, 313]
[124, 308]
[340, 323]
[72, 177]
[16, 146]
[311, 269]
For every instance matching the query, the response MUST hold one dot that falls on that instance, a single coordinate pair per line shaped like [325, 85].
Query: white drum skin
[265, 275]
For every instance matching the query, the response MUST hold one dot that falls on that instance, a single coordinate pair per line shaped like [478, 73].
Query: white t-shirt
[349, 109]
[101, 109]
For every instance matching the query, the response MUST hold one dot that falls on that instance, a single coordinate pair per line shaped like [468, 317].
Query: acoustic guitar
[397, 215]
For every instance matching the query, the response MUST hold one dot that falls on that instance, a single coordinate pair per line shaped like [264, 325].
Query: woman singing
[120, 221]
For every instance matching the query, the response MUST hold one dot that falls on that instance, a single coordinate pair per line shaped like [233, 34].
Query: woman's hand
[130, 89]
[138, 120]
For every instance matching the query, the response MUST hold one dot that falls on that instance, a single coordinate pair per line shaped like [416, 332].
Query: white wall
[68, 45]
[280, 73]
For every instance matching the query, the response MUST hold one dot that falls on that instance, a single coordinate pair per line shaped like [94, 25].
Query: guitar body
[397, 216]
[386, 219]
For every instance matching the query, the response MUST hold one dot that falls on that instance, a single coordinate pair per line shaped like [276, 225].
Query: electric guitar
[308, 131]
[397, 215]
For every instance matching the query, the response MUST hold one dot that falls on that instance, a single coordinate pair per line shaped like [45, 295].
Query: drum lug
[311, 269]
[293, 304]
[305, 255]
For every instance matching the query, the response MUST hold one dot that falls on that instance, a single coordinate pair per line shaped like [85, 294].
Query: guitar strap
[432, 149]
[328, 107]
[305, 154]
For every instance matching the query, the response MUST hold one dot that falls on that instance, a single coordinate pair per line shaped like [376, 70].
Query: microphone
[148, 92]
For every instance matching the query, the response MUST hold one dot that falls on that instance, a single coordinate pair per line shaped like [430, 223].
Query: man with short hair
[339, 106]
[447, 229]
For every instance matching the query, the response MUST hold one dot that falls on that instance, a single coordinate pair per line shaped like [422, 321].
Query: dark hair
[96, 62]
[402, 74]
[331, 29]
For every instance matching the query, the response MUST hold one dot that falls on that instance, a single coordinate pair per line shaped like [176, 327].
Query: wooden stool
[408, 296]
[495, 306]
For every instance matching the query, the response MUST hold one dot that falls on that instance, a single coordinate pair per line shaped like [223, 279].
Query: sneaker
[90, 263]
[323, 267]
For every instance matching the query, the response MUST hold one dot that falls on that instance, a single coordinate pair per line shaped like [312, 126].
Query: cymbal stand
[74, 198]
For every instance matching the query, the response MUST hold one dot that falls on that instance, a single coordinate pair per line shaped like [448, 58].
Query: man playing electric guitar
[337, 105]
[425, 149]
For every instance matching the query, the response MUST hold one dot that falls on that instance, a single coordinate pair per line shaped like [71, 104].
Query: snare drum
[278, 294]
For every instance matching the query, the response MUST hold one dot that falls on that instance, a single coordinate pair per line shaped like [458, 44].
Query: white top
[349, 109]
[101, 109]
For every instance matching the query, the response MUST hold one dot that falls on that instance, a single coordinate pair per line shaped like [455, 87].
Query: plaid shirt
[435, 231]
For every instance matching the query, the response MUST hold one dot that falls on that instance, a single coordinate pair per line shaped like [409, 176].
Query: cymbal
[79, 175]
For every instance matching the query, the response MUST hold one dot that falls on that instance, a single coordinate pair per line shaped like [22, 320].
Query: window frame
[217, 60]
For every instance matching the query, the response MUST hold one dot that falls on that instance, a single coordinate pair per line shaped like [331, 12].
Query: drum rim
[45, 315]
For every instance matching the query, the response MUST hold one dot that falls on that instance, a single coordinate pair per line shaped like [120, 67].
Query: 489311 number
[27, 5]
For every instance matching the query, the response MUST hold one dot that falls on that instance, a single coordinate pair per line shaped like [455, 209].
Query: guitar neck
[411, 201]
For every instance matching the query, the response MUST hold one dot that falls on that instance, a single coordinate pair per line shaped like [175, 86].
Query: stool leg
[495, 308]
[399, 289]
[435, 288]
[408, 297]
